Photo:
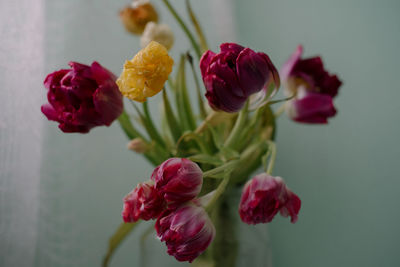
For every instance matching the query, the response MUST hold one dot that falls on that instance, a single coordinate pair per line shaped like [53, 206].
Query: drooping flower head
[264, 196]
[235, 74]
[145, 75]
[187, 231]
[144, 202]
[82, 97]
[136, 16]
[314, 87]
[161, 33]
[178, 180]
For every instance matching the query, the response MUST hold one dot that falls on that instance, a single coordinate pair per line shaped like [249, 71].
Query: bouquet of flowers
[204, 151]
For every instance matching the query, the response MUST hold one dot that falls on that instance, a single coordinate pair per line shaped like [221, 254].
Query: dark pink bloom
[264, 196]
[187, 231]
[82, 97]
[178, 180]
[314, 87]
[234, 74]
[144, 202]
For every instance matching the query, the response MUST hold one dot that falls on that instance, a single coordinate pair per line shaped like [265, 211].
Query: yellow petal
[146, 74]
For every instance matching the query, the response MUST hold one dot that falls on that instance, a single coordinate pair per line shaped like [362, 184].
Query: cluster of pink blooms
[84, 97]
[182, 223]
[87, 96]
[170, 197]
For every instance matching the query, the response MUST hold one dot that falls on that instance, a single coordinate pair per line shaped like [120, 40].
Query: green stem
[272, 148]
[219, 191]
[151, 127]
[115, 241]
[127, 126]
[280, 110]
[197, 27]
[132, 133]
[203, 113]
[226, 166]
[184, 27]
[238, 127]
[143, 251]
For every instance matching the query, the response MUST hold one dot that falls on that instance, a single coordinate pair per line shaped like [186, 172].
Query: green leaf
[122, 232]
[206, 159]
[127, 126]
[148, 124]
[197, 139]
[182, 99]
[197, 27]
[173, 124]
[229, 154]
[200, 103]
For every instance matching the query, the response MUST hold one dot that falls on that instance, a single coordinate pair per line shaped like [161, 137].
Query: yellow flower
[145, 75]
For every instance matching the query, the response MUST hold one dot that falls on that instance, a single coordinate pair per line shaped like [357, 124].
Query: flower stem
[197, 27]
[200, 103]
[272, 148]
[205, 122]
[151, 127]
[238, 127]
[127, 126]
[280, 110]
[218, 192]
[132, 133]
[225, 167]
[184, 27]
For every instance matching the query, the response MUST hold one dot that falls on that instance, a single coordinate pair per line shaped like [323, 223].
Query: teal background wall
[346, 173]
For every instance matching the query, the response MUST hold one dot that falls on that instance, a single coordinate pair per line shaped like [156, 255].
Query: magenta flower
[234, 74]
[264, 196]
[82, 97]
[187, 231]
[144, 202]
[178, 180]
[314, 87]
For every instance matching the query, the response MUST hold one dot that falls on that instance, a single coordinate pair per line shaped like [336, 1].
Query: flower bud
[136, 17]
[235, 74]
[178, 180]
[138, 145]
[82, 97]
[264, 196]
[187, 231]
[144, 202]
[145, 75]
[161, 33]
[313, 86]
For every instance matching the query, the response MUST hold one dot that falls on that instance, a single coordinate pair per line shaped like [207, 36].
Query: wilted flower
[178, 180]
[136, 17]
[314, 87]
[234, 74]
[145, 75]
[82, 97]
[264, 196]
[187, 231]
[161, 33]
[144, 202]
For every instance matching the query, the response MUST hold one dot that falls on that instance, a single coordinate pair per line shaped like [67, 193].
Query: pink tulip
[144, 202]
[82, 97]
[187, 231]
[264, 196]
[313, 86]
[234, 74]
[178, 180]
